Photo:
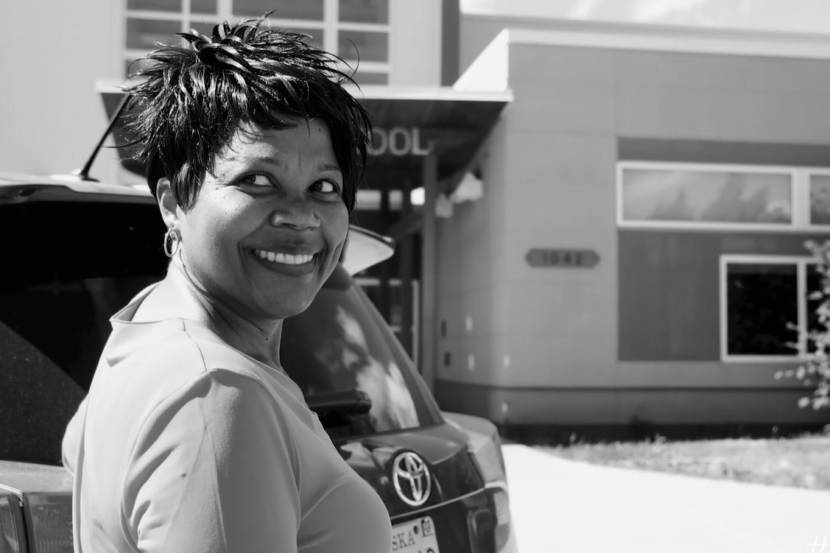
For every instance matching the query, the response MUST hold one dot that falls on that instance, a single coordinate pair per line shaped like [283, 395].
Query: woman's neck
[181, 295]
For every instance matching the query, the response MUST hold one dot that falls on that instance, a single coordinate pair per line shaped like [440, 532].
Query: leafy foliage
[815, 373]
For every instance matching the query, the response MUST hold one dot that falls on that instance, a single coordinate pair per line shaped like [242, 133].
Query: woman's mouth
[283, 258]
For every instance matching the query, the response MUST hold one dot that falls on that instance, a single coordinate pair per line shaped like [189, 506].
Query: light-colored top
[185, 444]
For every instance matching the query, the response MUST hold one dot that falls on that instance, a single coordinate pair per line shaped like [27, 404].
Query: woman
[192, 438]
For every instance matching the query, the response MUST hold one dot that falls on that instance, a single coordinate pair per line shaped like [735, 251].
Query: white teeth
[284, 258]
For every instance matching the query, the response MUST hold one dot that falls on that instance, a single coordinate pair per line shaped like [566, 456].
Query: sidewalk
[570, 507]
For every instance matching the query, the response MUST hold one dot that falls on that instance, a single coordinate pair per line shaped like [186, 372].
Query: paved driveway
[570, 507]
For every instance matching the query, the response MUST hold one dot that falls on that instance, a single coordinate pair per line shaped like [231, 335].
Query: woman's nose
[298, 215]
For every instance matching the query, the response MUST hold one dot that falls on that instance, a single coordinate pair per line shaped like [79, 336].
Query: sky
[812, 16]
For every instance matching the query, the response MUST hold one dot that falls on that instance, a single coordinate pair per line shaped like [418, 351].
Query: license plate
[415, 536]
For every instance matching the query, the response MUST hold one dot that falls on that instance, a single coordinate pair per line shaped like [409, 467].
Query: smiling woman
[192, 437]
[268, 224]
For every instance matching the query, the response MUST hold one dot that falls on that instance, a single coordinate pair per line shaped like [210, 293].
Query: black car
[74, 252]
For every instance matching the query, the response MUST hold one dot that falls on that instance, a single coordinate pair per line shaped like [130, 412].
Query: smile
[284, 258]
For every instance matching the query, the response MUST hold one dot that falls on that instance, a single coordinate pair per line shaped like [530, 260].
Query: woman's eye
[326, 187]
[256, 180]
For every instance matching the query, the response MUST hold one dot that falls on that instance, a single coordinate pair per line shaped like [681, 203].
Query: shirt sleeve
[71, 438]
[214, 471]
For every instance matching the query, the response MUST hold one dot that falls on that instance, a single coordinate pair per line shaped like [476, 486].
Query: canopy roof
[409, 123]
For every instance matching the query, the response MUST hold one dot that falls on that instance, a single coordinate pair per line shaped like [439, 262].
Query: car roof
[71, 182]
[20, 477]
[20, 187]
[365, 248]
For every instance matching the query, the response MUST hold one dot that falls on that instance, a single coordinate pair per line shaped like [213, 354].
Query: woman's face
[268, 225]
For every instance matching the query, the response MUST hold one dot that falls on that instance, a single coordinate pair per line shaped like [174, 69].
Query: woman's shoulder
[155, 362]
[219, 357]
[186, 347]
[154, 370]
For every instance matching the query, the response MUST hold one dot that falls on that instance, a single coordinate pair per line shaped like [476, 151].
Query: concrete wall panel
[415, 50]
[716, 114]
[552, 158]
[51, 53]
[574, 108]
[639, 409]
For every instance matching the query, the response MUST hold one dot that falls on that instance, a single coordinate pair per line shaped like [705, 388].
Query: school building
[637, 256]
[598, 225]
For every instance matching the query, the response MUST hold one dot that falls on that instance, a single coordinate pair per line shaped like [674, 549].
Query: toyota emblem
[411, 478]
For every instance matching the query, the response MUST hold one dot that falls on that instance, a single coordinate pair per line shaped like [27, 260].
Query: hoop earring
[172, 241]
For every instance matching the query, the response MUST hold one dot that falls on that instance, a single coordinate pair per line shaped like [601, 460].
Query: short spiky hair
[189, 101]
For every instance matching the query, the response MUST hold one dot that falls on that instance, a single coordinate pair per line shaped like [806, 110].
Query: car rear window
[342, 343]
[67, 268]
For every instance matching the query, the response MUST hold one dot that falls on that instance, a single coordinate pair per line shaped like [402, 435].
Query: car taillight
[50, 521]
[502, 505]
[486, 451]
[12, 532]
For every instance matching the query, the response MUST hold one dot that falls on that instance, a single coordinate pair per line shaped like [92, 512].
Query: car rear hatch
[431, 487]
[384, 421]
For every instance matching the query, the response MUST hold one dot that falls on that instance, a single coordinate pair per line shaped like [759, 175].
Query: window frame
[799, 197]
[802, 264]
[369, 281]
[330, 25]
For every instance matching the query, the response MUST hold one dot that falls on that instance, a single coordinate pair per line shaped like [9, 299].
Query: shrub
[815, 373]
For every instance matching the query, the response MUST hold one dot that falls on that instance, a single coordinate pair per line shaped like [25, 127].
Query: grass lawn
[802, 462]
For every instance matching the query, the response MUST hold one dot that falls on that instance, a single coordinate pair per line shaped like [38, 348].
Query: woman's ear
[168, 205]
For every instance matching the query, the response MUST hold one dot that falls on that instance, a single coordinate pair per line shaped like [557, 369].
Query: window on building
[153, 5]
[363, 46]
[206, 7]
[364, 11]
[686, 195]
[820, 199]
[284, 9]
[145, 33]
[356, 30]
[766, 309]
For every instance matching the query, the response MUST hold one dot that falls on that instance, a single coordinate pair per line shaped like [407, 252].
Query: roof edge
[490, 70]
[558, 23]
[378, 92]
[678, 39]
[396, 92]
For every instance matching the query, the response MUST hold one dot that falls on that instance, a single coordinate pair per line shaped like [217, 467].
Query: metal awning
[410, 123]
